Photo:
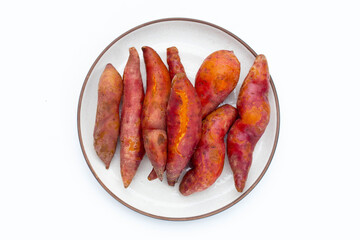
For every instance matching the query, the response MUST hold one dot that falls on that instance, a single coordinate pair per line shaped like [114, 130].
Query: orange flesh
[184, 119]
[154, 87]
[133, 145]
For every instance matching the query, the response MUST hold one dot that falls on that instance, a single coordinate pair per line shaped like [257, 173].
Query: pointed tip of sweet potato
[160, 174]
[239, 182]
[126, 184]
[171, 183]
[152, 175]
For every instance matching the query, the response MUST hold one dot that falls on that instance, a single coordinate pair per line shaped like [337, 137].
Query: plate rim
[164, 217]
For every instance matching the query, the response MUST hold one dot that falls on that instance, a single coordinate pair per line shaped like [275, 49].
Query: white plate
[195, 40]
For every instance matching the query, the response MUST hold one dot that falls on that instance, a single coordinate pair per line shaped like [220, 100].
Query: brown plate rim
[181, 218]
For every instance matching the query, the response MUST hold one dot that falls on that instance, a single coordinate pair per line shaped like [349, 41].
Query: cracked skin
[183, 126]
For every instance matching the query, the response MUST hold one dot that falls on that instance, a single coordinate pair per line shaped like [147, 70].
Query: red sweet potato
[254, 110]
[132, 146]
[175, 66]
[152, 175]
[208, 159]
[183, 126]
[173, 60]
[216, 78]
[154, 110]
[107, 123]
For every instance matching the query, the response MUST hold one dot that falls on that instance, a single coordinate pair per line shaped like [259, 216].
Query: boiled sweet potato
[131, 143]
[107, 123]
[183, 126]
[254, 110]
[208, 159]
[153, 119]
[216, 78]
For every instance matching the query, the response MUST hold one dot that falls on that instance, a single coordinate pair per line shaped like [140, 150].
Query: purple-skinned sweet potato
[208, 159]
[107, 123]
[183, 126]
[254, 109]
[217, 77]
[154, 110]
[131, 142]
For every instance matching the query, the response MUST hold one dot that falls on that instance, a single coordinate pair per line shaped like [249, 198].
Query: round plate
[195, 40]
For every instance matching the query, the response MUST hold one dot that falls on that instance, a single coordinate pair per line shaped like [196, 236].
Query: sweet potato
[154, 110]
[254, 110]
[216, 78]
[132, 146]
[152, 175]
[173, 60]
[107, 123]
[175, 66]
[183, 126]
[208, 160]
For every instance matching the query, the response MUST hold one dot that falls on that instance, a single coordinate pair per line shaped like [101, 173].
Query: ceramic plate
[195, 40]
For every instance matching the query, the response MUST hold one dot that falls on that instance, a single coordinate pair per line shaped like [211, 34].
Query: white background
[311, 189]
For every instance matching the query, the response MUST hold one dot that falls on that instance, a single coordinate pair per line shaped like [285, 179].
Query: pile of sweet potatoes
[179, 125]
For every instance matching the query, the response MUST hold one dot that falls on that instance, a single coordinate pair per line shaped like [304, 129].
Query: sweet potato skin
[174, 62]
[152, 175]
[107, 123]
[153, 119]
[208, 159]
[217, 77]
[131, 143]
[155, 142]
[183, 126]
[254, 109]
[175, 66]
